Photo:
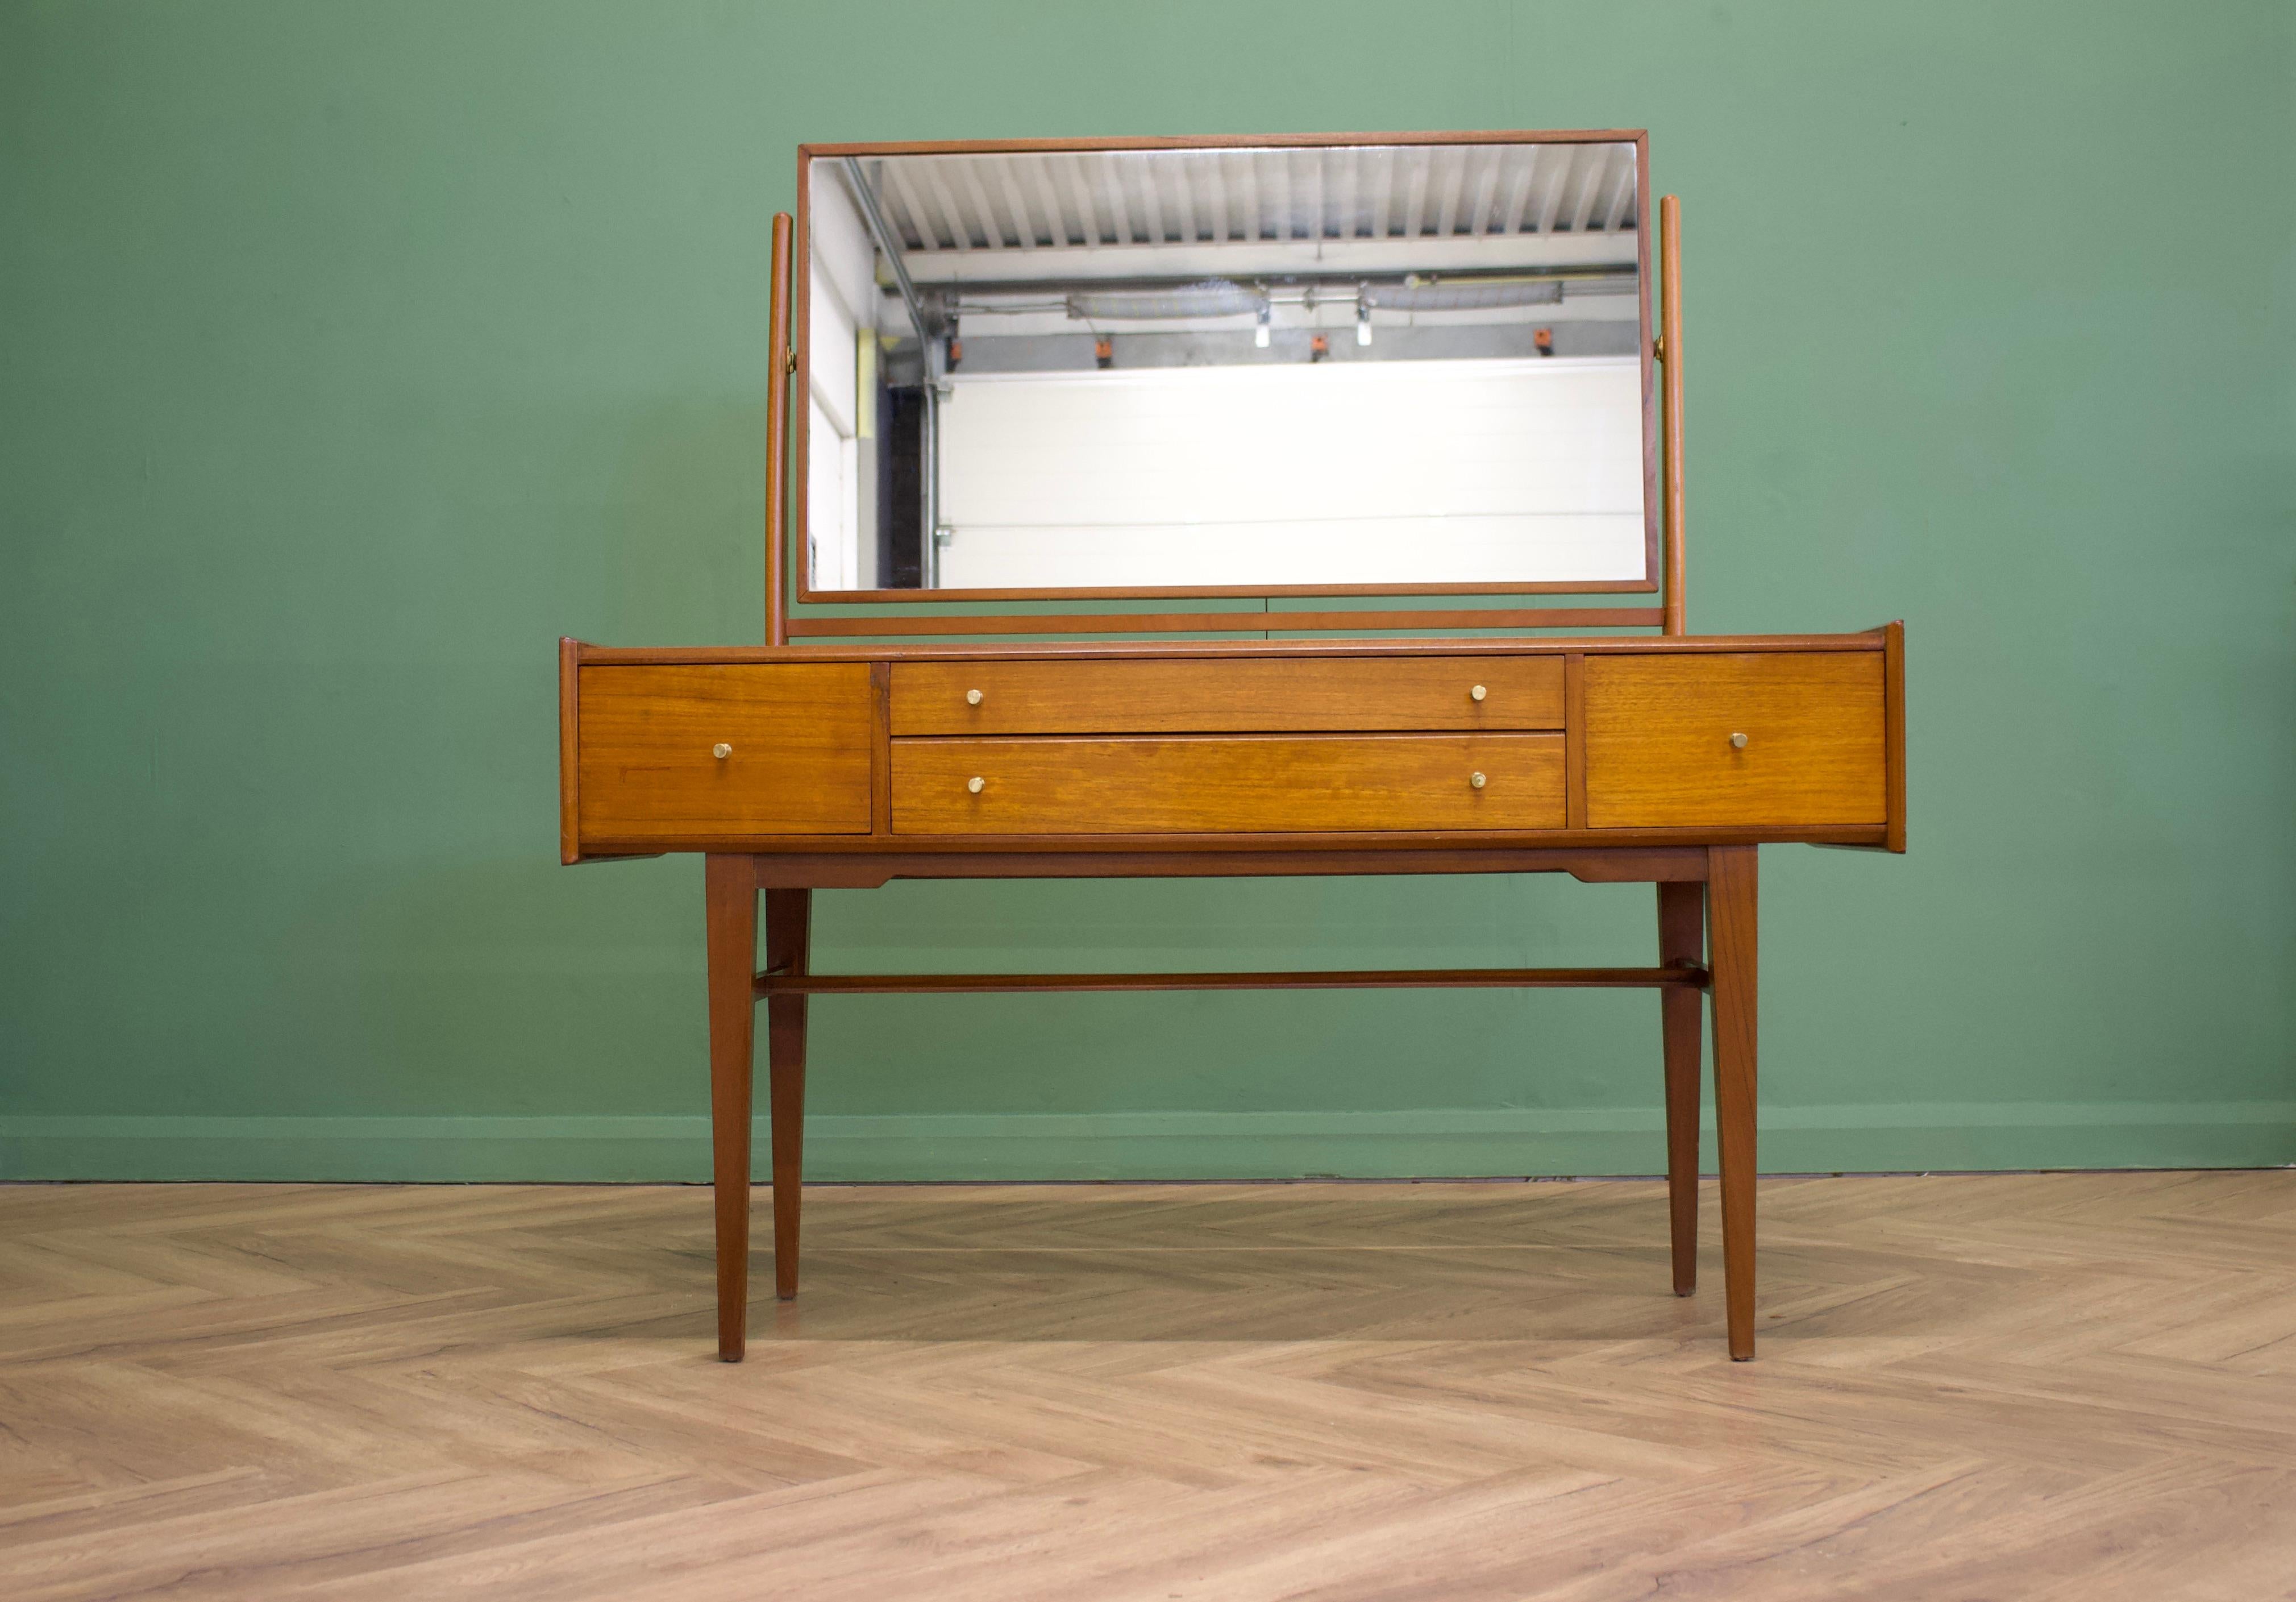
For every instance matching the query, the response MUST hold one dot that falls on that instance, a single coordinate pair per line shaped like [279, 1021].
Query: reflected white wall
[843, 305]
[1386, 472]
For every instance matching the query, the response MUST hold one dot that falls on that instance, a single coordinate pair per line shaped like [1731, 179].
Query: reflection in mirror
[1197, 369]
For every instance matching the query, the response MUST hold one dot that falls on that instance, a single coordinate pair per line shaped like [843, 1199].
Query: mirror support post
[777, 439]
[1669, 211]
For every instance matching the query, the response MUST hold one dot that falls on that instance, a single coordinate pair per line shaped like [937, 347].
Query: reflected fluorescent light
[1467, 295]
[1213, 299]
[1363, 321]
[1259, 334]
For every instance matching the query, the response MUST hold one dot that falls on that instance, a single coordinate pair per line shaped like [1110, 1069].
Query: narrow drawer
[797, 760]
[1224, 784]
[1228, 695]
[1661, 750]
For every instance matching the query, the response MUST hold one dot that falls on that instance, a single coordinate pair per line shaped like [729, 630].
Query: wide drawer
[1780, 739]
[1236, 694]
[1220, 784]
[796, 738]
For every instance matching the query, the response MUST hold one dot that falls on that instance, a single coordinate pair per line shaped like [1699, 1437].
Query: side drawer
[1227, 785]
[1661, 748]
[1214, 695]
[797, 760]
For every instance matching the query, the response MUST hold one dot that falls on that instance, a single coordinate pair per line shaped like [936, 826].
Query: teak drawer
[797, 763]
[1236, 695]
[1227, 784]
[1660, 740]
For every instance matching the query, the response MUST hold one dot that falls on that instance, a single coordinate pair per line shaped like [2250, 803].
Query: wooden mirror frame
[1661, 365]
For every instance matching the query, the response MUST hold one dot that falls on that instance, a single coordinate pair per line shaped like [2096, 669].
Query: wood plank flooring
[2063, 1388]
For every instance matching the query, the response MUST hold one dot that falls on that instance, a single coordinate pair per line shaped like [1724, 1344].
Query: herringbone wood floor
[2062, 1388]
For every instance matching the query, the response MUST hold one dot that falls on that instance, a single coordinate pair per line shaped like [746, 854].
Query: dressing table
[1365, 406]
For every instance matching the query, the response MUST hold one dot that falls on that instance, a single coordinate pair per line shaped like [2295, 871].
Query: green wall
[351, 353]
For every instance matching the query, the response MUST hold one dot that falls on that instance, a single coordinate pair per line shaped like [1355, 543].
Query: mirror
[1302, 368]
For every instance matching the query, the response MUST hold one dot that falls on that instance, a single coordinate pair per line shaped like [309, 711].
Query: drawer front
[1660, 752]
[1169, 696]
[1222, 785]
[798, 762]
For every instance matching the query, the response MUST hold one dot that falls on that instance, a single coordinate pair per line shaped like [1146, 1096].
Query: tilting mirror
[1305, 368]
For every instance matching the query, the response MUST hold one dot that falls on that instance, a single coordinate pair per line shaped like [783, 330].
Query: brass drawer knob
[975, 783]
[1477, 694]
[972, 698]
[1476, 779]
[1739, 740]
[721, 750]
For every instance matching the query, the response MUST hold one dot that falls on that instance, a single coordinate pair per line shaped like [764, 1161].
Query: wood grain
[1893, 737]
[1192, 695]
[881, 752]
[1163, 856]
[2044, 1387]
[1703, 672]
[1674, 598]
[789, 945]
[1646, 362]
[777, 434]
[1688, 979]
[1216, 782]
[798, 764]
[1213, 622]
[1084, 149]
[855, 870]
[1574, 748]
[1733, 899]
[730, 900]
[1244, 592]
[570, 753]
[1682, 943]
[899, 651]
[1659, 741]
[966, 147]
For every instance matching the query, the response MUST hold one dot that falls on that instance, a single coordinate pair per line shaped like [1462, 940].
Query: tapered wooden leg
[1732, 924]
[732, 897]
[1682, 939]
[789, 939]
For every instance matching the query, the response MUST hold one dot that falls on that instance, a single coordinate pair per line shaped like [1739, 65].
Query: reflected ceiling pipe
[891, 249]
